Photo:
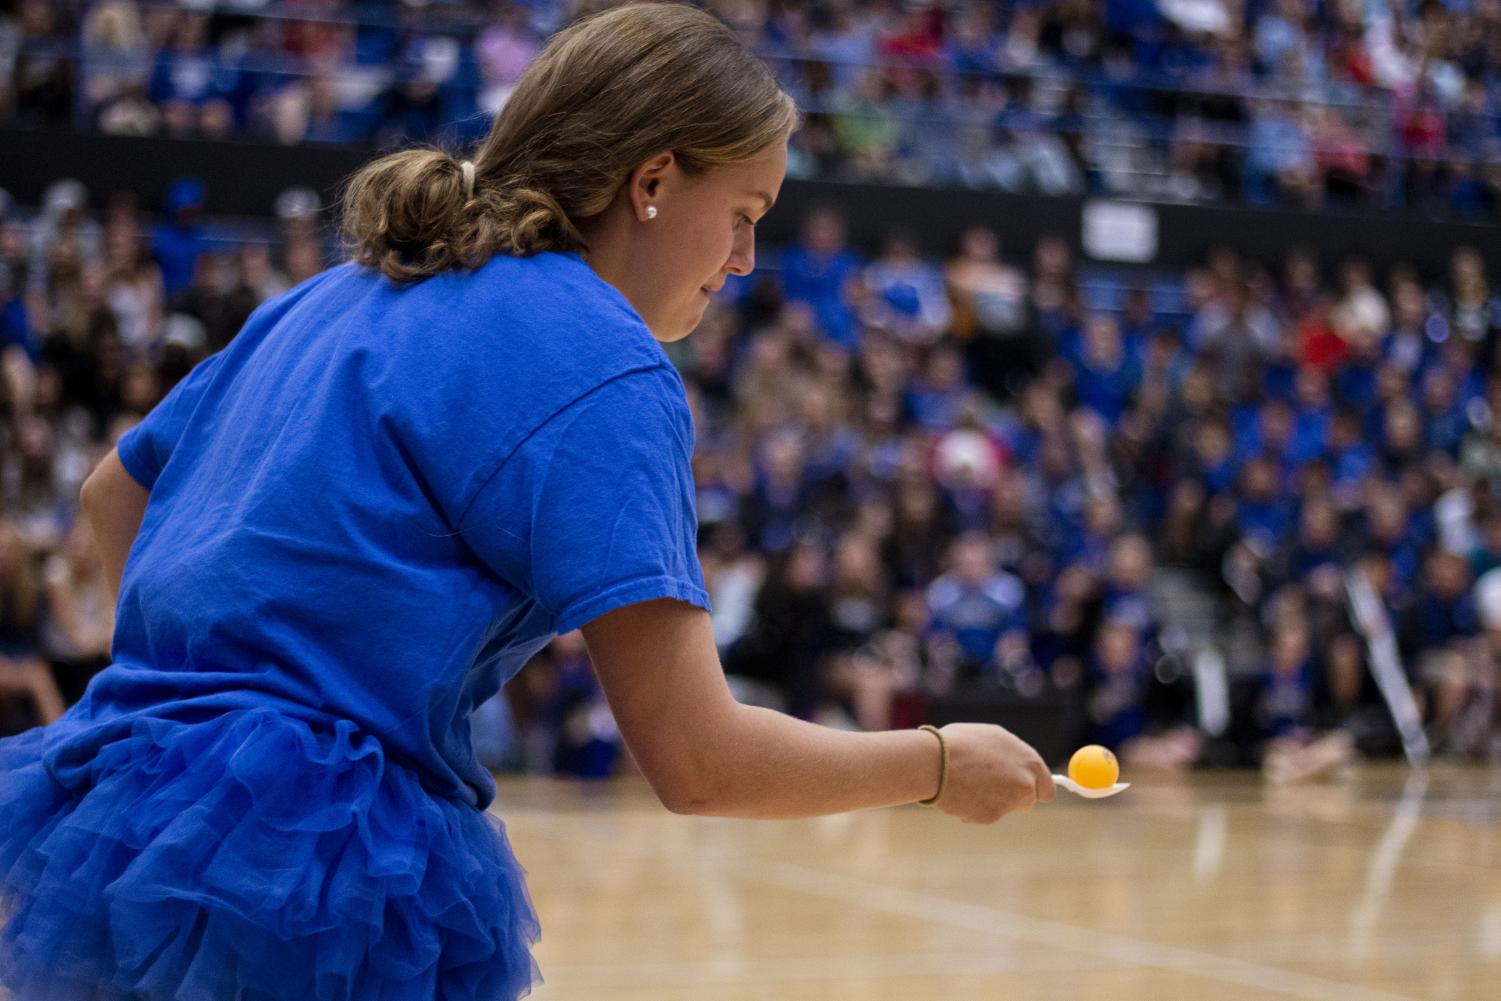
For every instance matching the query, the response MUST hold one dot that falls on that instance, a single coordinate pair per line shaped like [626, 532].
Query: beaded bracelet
[943, 775]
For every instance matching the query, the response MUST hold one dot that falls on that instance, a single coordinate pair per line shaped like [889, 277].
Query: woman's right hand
[991, 773]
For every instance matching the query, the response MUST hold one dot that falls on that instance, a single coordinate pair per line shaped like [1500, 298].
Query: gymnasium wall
[243, 179]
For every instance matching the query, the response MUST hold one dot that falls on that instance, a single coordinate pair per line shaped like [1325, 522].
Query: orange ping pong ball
[1094, 767]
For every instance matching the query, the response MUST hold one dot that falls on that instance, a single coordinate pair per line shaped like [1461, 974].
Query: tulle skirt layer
[250, 857]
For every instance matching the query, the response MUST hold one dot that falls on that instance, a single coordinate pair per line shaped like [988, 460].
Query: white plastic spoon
[1077, 789]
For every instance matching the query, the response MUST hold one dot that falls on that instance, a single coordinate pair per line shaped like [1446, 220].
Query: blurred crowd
[1374, 103]
[100, 314]
[1000, 473]
[924, 476]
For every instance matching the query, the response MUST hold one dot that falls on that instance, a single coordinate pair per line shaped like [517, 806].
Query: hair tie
[943, 771]
[468, 169]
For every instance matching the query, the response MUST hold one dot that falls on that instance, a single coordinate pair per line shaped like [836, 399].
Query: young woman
[348, 528]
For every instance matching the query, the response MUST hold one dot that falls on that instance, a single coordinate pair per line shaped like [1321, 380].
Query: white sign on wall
[1120, 231]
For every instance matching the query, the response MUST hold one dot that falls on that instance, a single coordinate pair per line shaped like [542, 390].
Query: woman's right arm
[704, 753]
[115, 504]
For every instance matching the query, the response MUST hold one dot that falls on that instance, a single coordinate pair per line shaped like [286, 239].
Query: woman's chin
[685, 322]
[674, 333]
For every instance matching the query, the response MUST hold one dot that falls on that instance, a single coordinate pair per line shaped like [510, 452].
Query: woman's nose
[743, 256]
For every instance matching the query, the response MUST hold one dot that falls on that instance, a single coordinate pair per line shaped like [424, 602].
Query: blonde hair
[605, 95]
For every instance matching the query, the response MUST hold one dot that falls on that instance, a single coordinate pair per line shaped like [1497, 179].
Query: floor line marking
[1054, 934]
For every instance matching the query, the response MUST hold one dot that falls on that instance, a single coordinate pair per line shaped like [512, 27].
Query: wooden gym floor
[1384, 885]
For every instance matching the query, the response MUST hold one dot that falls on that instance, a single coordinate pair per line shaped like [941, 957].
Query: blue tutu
[251, 857]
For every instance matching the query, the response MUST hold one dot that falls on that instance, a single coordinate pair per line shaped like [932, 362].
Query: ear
[646, 182]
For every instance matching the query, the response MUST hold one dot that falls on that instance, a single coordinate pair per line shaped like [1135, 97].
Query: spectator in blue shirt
[908, 294]
[1121, 708]
[16, 329]
[1439, 639]
[1127, 597]
[939, 394]
[192, 84]
[1089, 546]
[969, 47]
[980, 609]
[1285, 707]
[1104, 376]
[1213, 457]
[1287, 710]
[822, 272]
[1116, 709]
[177, 241]
[1350, 458]
[1443, 614]
[1444, 421]
[1313, 411]
[1279, 158]
[770, 514]
[1387, 532]
[1402, 443]
[1265, 511]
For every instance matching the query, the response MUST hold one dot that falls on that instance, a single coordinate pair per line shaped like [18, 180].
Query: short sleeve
[595, 509]
[145, 448]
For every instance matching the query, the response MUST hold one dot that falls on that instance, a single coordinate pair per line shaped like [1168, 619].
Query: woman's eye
[748, 221]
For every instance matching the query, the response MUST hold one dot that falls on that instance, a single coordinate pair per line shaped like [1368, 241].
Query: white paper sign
[1120, 231]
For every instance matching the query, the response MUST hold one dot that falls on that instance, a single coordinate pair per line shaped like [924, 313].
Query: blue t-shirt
[377, 503]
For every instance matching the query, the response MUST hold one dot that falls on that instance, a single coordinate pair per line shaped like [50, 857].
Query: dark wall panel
[243, 179]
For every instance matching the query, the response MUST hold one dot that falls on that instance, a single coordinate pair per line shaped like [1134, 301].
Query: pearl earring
[651, 212]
